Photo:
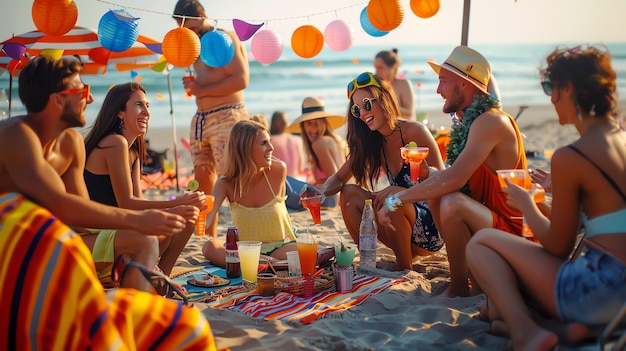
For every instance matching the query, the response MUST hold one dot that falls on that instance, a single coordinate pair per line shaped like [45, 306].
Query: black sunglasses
[161, 283]
[547, 87]
[355, 110]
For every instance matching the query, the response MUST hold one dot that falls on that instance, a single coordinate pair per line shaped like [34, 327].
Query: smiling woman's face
[314, 129]
[262, 150]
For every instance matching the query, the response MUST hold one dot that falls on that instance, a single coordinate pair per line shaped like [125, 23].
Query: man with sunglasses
[51, 293]
[483, 140]
[219, 93]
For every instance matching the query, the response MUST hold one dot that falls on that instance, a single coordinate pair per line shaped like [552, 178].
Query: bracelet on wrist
[393, 202]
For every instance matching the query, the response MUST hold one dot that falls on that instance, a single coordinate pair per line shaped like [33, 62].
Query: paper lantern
[245, 30]
[54, 17]
[117, 30]
[368, 27]
[14, 50]
[266, 47]
[216, 48]
[425, 8]
[385, 15]
[181, 47]
[307, 41]
[56, 54]
[339, 35]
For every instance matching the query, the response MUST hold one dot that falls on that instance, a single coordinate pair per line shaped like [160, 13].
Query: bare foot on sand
[538, 341]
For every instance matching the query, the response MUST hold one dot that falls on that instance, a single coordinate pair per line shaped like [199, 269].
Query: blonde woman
[254, 184]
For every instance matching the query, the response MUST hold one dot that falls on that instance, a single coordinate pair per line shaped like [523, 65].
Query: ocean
[284, 84]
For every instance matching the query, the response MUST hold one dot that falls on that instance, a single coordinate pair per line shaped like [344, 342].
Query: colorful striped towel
[304, 310]
[51, 298]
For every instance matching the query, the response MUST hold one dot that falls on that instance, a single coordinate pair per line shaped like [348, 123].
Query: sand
[408, 316]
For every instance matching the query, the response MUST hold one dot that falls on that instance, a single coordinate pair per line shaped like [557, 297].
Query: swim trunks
[209, 134]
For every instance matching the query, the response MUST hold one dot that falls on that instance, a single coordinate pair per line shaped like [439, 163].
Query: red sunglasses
[84, 92]
[161, 283]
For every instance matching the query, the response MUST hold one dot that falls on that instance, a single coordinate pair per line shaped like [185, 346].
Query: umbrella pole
[169, 86]
[465, 28]
[10, 92]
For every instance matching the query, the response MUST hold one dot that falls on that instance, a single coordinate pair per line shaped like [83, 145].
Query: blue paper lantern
[216, 48]
[368, 27]
[117, 30]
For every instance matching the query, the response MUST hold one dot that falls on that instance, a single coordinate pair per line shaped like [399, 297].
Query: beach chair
[612, 337]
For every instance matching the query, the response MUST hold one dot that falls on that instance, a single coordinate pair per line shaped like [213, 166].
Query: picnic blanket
[51, 298]
[289, 307]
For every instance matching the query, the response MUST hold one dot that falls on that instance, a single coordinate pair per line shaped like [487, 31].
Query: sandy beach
[407, 316]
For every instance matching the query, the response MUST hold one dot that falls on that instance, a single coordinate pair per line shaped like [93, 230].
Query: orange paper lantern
[181, 47]
[425, 8]
[385, 15]
[54, 17]
[307, 41]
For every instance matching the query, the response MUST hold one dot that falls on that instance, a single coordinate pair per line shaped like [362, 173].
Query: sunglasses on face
[161, 283]
[367, 106]
[365, 79]
[84, 92]
[547, 87]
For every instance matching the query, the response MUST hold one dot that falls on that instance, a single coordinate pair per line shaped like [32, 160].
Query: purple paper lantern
[245, 30]
[339, 35]
[368, 27]
[216, 48]
[117, 30]
[266, 47]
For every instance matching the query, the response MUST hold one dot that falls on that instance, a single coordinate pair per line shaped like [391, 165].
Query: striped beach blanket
[51, 299]
[292, 308]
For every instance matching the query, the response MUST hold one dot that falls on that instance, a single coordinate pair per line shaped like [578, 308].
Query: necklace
[460, 129]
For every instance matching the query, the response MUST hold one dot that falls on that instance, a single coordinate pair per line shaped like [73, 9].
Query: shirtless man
[219, 99]
[493, 142]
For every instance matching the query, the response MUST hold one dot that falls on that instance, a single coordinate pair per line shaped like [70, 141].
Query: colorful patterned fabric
[304, 310]
[51, 298]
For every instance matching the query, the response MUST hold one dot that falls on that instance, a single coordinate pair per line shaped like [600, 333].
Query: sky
[491, 21]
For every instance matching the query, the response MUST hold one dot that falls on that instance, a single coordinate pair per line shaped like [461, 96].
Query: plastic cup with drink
[189, 78]
[307, 252]
[249, 253]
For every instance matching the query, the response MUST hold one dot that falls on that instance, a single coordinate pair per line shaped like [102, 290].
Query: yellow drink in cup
[249, 252]
[307, 251]
[519, 177]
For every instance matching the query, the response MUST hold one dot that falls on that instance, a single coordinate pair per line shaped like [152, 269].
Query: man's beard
[72, 118]
[454, 102]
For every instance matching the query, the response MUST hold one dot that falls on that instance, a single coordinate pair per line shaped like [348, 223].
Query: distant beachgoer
[325, 150]
[116, 149]
[56, 280]
[386, 64]
[219, 98]
[483, 140]
[375, 136]
[287, 147]
[260, 118]
[254, 184]
[518, 275]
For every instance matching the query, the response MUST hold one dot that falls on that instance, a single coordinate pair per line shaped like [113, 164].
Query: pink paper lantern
[266, 47]
[339, 35]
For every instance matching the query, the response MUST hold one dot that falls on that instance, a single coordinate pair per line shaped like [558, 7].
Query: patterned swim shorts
[209, 134]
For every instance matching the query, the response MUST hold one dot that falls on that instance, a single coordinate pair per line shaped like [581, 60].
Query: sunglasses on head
[365, 79]
[367, 106]
[161, 283]
[84, 92]
[547, 87]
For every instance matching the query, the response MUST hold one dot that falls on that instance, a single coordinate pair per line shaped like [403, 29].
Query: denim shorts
[590, 289]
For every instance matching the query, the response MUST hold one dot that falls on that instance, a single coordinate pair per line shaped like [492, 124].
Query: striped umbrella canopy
[83, 42]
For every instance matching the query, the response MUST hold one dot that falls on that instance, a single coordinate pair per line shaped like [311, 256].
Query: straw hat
[313, 108]
[468, 64]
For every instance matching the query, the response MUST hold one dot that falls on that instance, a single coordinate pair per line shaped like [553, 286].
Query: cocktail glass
[189, 78]
[314, 204]
[249, 253]
[307, 251]
[344, 254]
[414, 157]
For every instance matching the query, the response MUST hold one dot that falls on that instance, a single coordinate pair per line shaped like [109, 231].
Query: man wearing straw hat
[483, 140]
[219, 95]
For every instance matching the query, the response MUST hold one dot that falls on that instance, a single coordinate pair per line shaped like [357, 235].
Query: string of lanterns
[118, 31]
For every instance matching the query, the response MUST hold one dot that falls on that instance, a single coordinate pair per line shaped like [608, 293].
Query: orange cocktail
[307, 252]
[414, 157]
[519, 177]
[314, 204]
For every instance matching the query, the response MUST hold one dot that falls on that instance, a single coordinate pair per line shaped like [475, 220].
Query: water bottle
[368, 235]
[233, 266]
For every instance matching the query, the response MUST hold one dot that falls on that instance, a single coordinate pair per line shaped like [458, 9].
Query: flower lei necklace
[460, 129]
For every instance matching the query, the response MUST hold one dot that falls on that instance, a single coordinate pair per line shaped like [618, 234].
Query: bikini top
[614, 222]
[403, 178]
[267, 223]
